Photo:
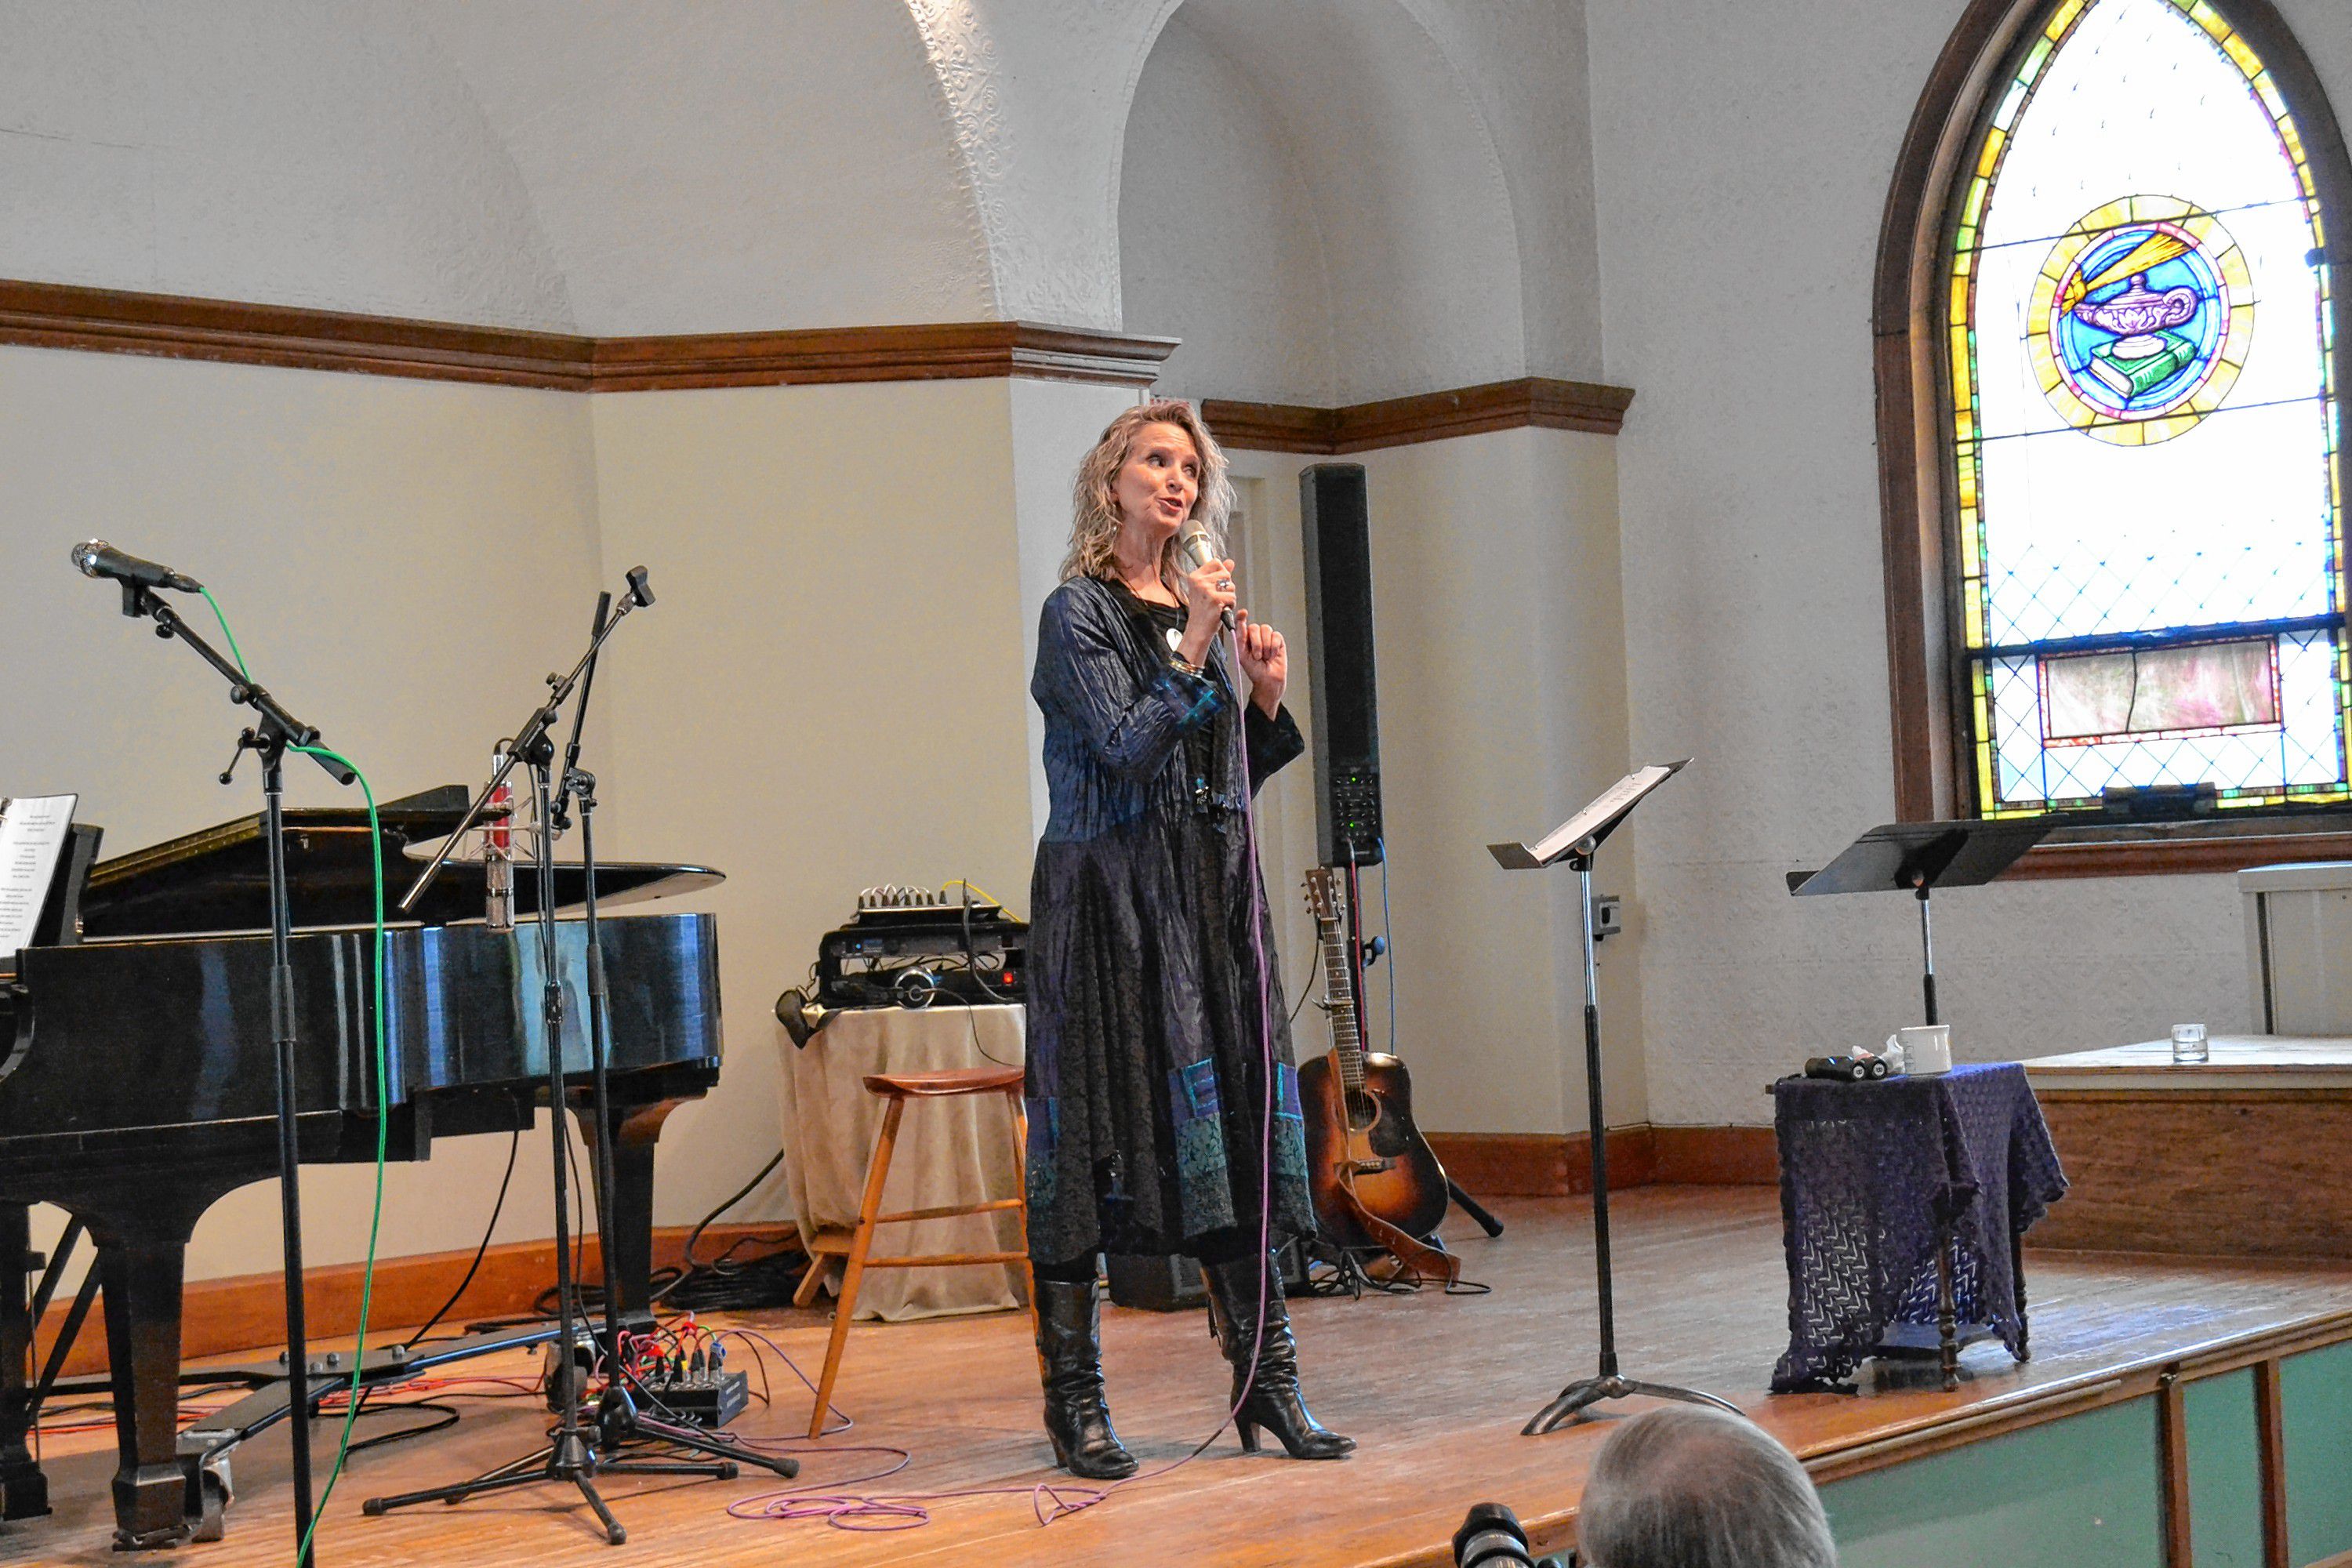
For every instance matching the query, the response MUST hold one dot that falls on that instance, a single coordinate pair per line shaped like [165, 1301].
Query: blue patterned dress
[1146, 1066]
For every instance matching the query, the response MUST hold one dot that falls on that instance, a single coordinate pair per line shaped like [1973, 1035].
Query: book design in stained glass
[2133, 320]
[2146, 486]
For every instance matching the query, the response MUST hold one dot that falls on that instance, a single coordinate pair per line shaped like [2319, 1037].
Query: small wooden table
[2240, 1156]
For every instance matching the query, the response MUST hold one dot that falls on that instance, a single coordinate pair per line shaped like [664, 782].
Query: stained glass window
[2150, 541]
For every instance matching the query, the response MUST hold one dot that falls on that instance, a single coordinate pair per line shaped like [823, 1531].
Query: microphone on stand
[97, 558]
[498, 852]
[1193, 551]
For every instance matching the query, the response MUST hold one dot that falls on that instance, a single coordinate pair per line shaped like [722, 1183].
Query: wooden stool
[854, 1246]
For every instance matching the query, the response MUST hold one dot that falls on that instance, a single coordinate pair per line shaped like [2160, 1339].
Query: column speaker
[1347, 749]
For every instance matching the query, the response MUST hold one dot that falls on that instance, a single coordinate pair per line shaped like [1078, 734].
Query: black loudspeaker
[1337, 526]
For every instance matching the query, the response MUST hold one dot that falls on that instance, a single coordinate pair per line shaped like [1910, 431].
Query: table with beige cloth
[949, 1150]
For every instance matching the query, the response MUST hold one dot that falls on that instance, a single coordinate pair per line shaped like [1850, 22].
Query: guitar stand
[1476, 1210]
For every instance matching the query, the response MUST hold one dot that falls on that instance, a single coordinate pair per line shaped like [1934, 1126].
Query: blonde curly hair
[1094, 531]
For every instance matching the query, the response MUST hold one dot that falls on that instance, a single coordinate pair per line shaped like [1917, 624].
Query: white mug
[1922, 1049]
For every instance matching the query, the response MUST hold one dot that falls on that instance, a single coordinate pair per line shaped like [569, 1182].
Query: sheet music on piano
[33, 829]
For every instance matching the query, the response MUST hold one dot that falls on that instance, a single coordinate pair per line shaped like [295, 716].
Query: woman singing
[1154, 1012]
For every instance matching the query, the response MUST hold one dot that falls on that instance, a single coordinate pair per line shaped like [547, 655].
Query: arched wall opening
[1310, 198]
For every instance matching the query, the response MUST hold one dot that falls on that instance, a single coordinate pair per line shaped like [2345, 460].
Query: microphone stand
[269, 739]
[618, 1419]
[570, 1455]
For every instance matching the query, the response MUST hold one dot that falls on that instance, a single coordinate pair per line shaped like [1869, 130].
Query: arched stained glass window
[2148, 505]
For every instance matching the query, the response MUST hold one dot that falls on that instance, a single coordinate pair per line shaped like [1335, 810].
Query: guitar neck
[1339, 997]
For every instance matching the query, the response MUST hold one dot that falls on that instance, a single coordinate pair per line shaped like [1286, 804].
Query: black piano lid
[217, 880]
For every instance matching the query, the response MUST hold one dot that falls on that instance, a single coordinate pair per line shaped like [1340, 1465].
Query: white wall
[833, 689]
[1744, 154]
[1315, 198]
[1501, 708]
[729, 165]
[263, 149]
[830, 691]
[400, 560]
[1219, 237]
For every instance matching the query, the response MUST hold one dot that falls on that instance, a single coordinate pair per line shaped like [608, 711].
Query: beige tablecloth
[949, 1150]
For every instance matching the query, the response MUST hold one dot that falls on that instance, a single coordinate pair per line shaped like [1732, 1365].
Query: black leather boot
[1069, 1339]
[1273, 1401]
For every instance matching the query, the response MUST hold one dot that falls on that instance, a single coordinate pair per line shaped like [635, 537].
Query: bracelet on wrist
[1178, 661]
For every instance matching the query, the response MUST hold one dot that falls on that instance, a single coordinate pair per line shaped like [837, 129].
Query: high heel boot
[1070, 1341]
[1273, 1401]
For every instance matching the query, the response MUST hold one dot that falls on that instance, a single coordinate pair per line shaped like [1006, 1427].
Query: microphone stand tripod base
[1589, 1391]
[567, 1458]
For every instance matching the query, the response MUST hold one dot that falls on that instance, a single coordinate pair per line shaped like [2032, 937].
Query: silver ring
[1224, 582]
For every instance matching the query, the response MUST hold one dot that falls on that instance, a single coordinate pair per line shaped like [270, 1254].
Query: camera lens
[1490, 1537]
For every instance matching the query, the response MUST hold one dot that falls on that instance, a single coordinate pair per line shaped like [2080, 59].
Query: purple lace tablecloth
[1870, 1172]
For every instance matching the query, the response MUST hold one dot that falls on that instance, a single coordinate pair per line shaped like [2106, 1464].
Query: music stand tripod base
[1586, 1392]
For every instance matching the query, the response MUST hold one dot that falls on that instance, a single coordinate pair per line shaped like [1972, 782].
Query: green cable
[383, 1097]
[382, 1124]
[223, 619]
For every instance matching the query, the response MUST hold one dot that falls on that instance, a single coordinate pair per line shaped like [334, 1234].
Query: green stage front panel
[2225, 1472]
[2074, 1493]
[2316, 1394]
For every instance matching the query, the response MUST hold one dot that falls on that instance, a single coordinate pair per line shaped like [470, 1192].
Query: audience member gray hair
[1687, 1486]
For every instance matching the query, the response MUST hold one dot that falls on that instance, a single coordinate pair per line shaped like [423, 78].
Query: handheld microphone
[1194, 551]
[97, 558]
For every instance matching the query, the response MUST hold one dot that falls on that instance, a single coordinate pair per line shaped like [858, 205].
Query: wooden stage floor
[1435, 1388]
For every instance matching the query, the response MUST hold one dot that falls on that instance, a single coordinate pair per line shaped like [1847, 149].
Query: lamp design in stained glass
[2149, 536]
[2135, 334]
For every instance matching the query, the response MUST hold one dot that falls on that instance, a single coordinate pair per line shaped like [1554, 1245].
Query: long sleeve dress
[1147, 1037]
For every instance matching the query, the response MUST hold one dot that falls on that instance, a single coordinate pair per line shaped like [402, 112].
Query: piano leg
[24, 1490]
[629, 1230]
[158, 1498]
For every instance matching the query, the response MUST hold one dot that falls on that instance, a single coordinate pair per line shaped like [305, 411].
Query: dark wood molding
[1927, 670]
[1907, 342]
[1272, 427]
[248, 1312]
[2172, 1469]
[2156, 856]
[2270, 1441]
[1509, 1164]
[937, 351]
[170, 326]
[1718, 1156]
[1541, 402]
[1551, 1165]
[106, 320]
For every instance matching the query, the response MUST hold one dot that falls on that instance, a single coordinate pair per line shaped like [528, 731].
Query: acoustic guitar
[1376, 1183]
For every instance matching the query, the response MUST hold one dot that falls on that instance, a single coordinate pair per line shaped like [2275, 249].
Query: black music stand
[1576, 841]
[1917, 858]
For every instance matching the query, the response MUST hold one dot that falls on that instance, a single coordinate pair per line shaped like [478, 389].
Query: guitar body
[1367, 1141]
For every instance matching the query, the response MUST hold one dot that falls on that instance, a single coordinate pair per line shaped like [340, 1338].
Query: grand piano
[138, 1079]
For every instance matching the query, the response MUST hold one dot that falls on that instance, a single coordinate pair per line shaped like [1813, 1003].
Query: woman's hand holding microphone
[1209, 599]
